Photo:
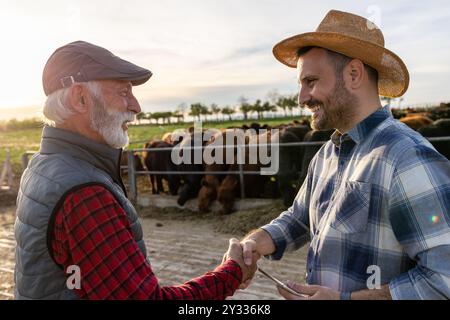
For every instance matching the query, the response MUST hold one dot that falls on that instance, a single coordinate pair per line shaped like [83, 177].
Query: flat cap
[82, 61]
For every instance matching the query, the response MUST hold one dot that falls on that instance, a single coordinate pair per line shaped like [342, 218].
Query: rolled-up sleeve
[419, 212]
[290, 230]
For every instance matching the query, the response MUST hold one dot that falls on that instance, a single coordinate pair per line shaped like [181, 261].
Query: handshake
[246, 255]
[247, 252]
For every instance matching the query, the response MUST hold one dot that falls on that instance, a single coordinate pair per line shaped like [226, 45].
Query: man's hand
[251, 255]
[256, 244]
[249, 251]
[312, 292]
[235, 253]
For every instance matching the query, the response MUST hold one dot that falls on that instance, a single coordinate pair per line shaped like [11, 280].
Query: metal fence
[133, 173]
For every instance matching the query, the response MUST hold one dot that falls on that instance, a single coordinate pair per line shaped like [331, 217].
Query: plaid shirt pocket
[349, 211]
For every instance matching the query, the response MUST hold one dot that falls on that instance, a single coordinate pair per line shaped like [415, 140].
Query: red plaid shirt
[92, 231]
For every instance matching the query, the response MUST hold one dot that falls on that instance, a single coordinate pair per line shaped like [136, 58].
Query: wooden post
[241, 160]
[132, 176]
[241, 181]
[24, 161]
[7, 172]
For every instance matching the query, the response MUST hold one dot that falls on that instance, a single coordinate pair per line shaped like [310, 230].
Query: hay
[243, 221]
[237, 223]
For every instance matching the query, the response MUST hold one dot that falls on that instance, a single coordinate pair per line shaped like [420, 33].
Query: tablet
[281, 284]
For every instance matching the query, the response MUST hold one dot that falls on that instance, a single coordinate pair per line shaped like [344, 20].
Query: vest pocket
[349, 211]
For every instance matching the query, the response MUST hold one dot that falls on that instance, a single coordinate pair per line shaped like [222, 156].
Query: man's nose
[303, 96]
[134, 105]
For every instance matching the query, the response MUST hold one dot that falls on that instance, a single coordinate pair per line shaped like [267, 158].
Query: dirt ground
[181, 245]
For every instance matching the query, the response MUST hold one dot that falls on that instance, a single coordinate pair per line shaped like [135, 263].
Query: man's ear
[78, 98]
[354, 74]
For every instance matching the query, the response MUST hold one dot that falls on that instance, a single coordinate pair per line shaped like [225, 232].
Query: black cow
[310, 151]
[137, 161]
[440, 128]
[190, 183]
[161, 161]
[290, 161]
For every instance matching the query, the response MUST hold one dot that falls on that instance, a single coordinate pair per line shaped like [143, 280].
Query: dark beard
[340, 108]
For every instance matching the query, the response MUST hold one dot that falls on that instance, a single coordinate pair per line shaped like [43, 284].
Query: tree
[273, 96]
[198, 109]
[195, 110]
[228, 111]
[245, 107]
[140, 116]
[215, 110]
[148, 116]
[268, 107]
[292, 102]
[258, 108]
[204, 111]
[287, 102]
[165, 116]
[178, 116]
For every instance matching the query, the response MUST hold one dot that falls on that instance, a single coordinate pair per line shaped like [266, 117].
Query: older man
[73, 216]
[375, 204]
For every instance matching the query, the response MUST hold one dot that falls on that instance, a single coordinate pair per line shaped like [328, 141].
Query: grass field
[20, 141]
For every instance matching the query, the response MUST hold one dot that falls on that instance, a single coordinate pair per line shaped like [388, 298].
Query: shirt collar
[102, 156]
[362, 129]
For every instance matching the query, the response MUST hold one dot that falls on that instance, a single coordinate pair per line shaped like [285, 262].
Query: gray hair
[56, 109]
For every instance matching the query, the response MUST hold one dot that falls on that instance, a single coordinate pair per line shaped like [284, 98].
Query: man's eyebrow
[308, 76]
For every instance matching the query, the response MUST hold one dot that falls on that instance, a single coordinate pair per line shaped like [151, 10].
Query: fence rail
[132, 173]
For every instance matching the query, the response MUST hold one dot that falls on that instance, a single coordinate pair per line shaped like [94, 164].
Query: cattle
[310, 151]
[226, 188]
[416, 122]
[290, 162]
[210, 183]
[167, 137]
[137, 161]
[440, 128]
[161, 161]
[190, 183]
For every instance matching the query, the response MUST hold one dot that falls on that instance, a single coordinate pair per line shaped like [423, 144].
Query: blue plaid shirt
[379, 196]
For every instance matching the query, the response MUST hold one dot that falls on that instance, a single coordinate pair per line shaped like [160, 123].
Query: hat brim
[393, 76]
[113, 67]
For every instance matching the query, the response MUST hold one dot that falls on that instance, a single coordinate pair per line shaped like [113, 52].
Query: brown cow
[211, 182]
[225, 188]
[416, 122]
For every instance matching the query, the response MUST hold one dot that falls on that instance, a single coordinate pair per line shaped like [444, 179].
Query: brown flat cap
[81, 61]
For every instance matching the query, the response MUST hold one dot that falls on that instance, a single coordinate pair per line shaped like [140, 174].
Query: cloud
[212, 50]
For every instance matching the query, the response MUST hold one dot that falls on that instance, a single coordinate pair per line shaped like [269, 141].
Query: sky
[209, 51]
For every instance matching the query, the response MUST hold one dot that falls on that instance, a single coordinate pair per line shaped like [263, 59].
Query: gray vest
[65, 162]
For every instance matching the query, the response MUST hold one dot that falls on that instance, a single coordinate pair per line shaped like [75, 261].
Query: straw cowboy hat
[355, 37]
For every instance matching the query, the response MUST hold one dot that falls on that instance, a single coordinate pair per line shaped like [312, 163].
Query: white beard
[109, 124]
